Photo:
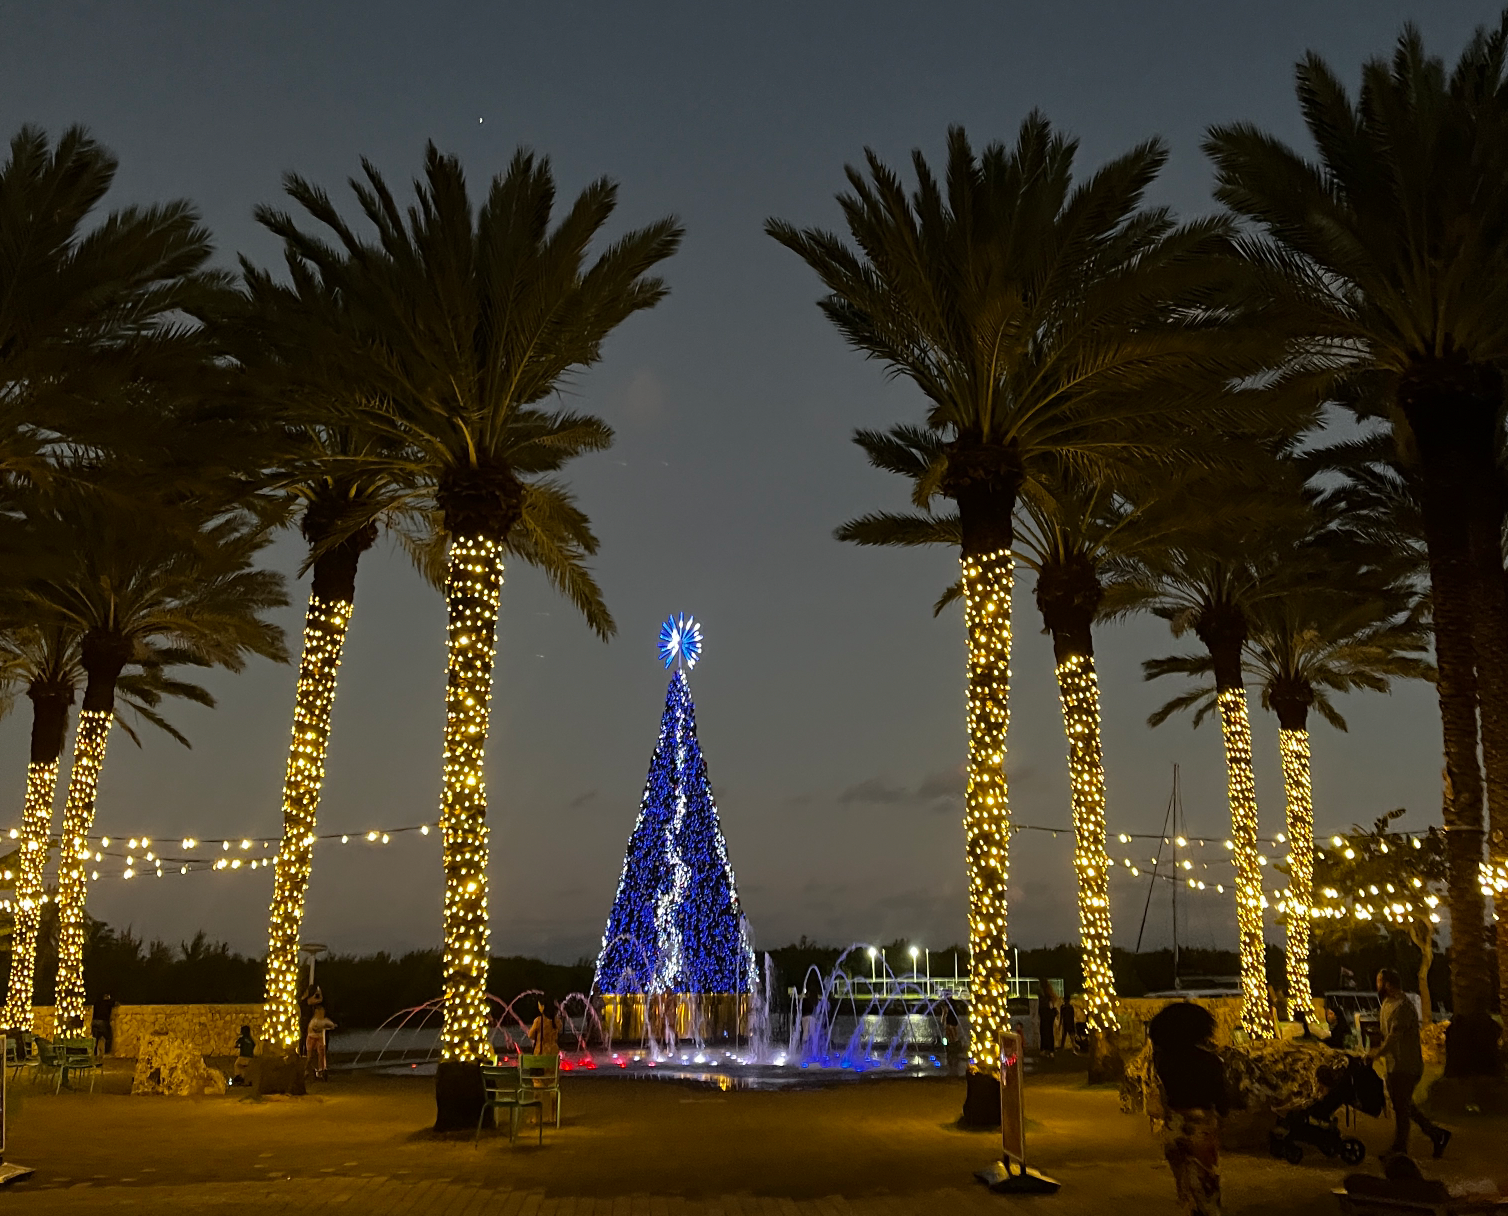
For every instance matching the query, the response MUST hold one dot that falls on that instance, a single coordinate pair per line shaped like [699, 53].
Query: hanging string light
[987, 618]
[1256, 1013]
[1078, 689]
[89, 743]
[36, 826]
[1293, 745]
[472, 588]
[324, 640]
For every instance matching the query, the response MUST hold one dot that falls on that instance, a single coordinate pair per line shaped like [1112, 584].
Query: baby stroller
[1356, 1086]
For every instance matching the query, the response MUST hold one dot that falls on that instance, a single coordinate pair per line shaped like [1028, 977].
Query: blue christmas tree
[676, 925]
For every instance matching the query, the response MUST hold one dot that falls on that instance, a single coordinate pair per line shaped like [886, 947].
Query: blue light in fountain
[676, 925]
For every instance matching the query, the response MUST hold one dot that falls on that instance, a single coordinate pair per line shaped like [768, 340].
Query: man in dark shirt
[104, 1032]
[1400, 1047]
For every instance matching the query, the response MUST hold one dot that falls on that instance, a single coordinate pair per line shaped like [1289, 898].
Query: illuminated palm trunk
[1294, 747]
[36, 827]
[324, 640]
[472, 586]
[1235, 729]
[987, 617]
[1078, 689]
[73, 855]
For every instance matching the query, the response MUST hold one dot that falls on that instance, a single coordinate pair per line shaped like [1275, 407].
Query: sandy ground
[360, 1144]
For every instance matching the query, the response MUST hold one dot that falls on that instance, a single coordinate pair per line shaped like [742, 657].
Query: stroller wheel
[1293, 1152]
[1352, 1151]
[1275, 1144]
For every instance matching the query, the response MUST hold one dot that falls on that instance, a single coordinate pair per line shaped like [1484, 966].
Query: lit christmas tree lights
[676, 925]
[987, 620]
[1299, 897]
[324, 638]
[78, 816]
[36, 827]
[1079, 691]
[472, 588]
[1235, 729]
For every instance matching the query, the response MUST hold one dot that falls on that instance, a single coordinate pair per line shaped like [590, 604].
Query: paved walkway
[884, 1147]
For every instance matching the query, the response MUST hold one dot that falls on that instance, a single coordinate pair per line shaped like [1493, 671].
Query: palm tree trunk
[1451, 433]
[104, 655]
[89, 742]
[1424, 937]
[472, 588]
[987, 582]
[325, 628]
[49, 724]
[1235, 731]
[1293, 746]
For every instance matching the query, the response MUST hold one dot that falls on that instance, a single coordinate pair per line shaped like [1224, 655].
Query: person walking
[319, 1063]
[1400, 1048]
[1067, 1018]
[103, 1029]
[312, 999]
[1047, 1018]
[1192, 1080]
[952, 1039]
[246, 1049]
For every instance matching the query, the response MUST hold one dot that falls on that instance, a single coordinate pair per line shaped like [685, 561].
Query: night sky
[830, 702]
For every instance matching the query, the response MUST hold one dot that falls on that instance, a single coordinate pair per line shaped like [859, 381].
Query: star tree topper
[680, 641]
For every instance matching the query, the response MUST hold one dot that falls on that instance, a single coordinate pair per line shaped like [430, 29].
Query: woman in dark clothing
[1067, 1019]
[1340, 1026]
[1192, 1079]
[1047, 1018]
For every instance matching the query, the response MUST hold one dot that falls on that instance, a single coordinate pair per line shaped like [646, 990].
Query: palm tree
[1387, 256]
[47, 661]
[85, 314]
[324, 465]
[1352, 631]
[150, 589]
[460, 325]
[1038, 320]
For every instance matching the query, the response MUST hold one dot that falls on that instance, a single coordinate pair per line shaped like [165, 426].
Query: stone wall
[211, 1029]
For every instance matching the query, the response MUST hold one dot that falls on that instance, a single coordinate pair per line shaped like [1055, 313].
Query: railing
[864, 988]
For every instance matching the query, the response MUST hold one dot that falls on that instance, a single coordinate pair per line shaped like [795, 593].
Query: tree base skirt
[1452, 1097]
[981, 1101]
[1473, 1047]
[459, 1096]
[1105, 1064]
[278, 1072]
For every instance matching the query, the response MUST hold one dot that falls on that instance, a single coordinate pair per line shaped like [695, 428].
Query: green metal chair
[540, 1076]
[502, 1089]
[18, 1054]
[77, 1055]
[49, 1057]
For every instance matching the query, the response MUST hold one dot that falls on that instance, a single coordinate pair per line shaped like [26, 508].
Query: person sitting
[544, 1033]
[246, 1048]
[1340, 1026]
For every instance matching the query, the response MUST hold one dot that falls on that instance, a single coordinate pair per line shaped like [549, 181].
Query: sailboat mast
[1177, 817]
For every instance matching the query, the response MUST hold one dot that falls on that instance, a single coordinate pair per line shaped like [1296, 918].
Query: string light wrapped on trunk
[1293, 745]
[473, 586]
[1235, 729]
[89, 742]
[1078, 689]
[987, 581]
[36, 827]
[325, 629]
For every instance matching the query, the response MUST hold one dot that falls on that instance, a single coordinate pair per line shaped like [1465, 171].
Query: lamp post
[873, 974]
[915, 954]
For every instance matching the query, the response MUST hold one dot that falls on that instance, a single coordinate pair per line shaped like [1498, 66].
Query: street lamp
[873, 975]
[915, 953]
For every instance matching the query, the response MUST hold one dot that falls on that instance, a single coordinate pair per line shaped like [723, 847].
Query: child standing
[318, 1024]
[246, 1047]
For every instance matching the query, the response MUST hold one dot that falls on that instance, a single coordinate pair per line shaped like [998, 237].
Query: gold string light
[36, 827]
[472, 587]
[1293, 745]
[89, 743]
[987, 618]
[1078, 689]
[324, 640]
[1235, 729]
